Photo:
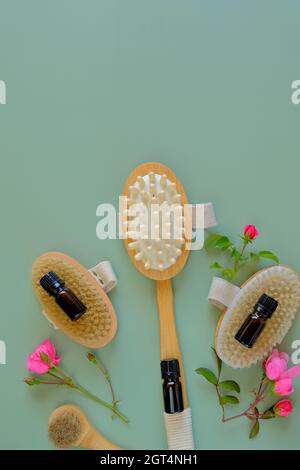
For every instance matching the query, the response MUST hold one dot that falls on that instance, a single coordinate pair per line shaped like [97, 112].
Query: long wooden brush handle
[169, 343]
[96, 441]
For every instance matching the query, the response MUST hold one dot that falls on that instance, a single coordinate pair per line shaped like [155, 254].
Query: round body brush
[69, 427]
[157, 232]
[282, 285]
[72, 284]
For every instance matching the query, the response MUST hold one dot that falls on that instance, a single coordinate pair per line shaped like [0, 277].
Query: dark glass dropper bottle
[64, 297]
[172, 390]
[256, 321]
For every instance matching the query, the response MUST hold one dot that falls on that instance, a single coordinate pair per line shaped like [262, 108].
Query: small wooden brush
[69, 427]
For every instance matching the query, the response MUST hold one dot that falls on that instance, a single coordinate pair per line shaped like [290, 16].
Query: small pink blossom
[283, 408]
[36, 364]
[292, 373]
[276, 369]
[251, 231]
[276, 364]
[284, 387]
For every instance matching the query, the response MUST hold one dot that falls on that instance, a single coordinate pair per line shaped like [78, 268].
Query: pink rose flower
[276, 364]
[251, 231]
[283, 408]
[284, 387]
[36, 364]
[292, 373]
[276, 369]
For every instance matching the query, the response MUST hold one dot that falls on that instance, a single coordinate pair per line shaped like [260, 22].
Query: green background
[95, 88]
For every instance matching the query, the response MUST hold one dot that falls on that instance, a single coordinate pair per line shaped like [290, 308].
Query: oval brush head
[69, 426]
[98, 325]
[65, 429]
[278, 282]
[155, 225]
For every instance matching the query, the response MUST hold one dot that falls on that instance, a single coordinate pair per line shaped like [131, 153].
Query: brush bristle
[64, 430]
[96, 324]
[279, 282]
[157, 231]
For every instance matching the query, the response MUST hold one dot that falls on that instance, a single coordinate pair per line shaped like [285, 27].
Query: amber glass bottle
[256, 321]
[64, 297]
[172, 390]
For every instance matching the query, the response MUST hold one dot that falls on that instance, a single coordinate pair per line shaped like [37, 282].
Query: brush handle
[169, 343]
[96, 441]
[178, 425]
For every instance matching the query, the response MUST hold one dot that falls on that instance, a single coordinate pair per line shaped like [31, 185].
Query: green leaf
[212, 240]
[230, 385]
[253, 255]
[255, 430]
[228, 273]
[223, 243]
[269, 414]
[229, 400]
[268, 255]
[218, 361]
[234, 253]
[208, 375]
[45, 357]
[216, 265]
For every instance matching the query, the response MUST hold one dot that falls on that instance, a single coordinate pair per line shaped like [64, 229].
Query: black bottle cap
[267, 303]
[49, 280]
[170, 367]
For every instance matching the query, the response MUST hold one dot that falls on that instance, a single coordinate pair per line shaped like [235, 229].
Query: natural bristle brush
[85, 314]
[157, 233]
[281, 284]
[69, 427]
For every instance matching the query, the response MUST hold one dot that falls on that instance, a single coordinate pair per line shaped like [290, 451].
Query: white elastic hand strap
[104, 274]
[179, 430]
[222, 292]
[203, 216]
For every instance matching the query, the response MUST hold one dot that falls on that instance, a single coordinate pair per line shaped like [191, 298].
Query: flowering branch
[44, 361]
[276, 379]
[238, 258]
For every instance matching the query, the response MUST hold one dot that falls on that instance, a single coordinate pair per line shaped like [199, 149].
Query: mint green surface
[95, 88]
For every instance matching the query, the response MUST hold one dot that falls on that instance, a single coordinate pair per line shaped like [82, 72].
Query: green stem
[68, 380]
[222, 406]
[51, 383]
[85, 392]
[225, 420]
[250, 411]
[106, 375]
[237, 260]
[55, 376]
[219, 394]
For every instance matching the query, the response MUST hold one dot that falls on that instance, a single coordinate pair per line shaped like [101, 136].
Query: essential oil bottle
[172, 391]
[256, 321]
[64, 297]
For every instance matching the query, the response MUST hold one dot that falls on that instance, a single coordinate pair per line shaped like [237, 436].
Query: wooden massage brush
[279, 282]
[98, 326]
[158, 245]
